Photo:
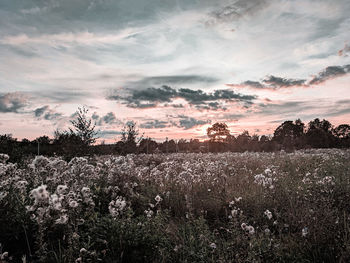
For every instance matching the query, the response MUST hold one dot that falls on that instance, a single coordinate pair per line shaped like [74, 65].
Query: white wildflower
[158, 199]
[251, 230]
[268, 214]
[149, 213]
[63, 219]
[61, 189]
[213, 245]
[117, 206]
[40, 194]
[73, 204]
[304, 231]
[238, 199]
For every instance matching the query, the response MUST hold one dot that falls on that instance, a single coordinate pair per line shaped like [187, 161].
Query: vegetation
[79, 140]
[226, 207]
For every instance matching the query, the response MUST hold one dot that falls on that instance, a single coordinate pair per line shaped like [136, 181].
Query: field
[228, 207]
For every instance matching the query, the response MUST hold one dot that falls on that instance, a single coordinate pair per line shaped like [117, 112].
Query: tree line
[79, 140]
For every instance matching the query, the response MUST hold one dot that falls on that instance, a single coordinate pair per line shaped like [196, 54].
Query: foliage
[227, 207]
[83, 127]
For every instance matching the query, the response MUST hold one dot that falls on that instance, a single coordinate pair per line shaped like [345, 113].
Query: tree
[129, 138]
[289, 134]
[68, 144]
[342, 135]
[83, 127]
[242, 141]
[218, 132]
[342, 131]
[319, 134]
[147, 146]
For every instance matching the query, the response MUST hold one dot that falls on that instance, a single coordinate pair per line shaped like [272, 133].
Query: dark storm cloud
[154, 124]
[150, 97]
[12, 102]
[276, 83]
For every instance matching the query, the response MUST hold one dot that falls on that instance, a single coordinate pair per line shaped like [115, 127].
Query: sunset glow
[173, 67]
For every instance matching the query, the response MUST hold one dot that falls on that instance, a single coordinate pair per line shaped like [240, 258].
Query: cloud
[12, 102]
[189, 122]
[273, 81]
[109, 119]
[154, 124]
[330, 73]
[236, 11]
[47, 114]
[67, 39]
[108, 133]
[151, 97]
[276, 83]
[63, 96]
[344, 51]
[170, 80]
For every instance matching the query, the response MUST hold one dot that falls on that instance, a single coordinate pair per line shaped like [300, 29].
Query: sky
[175, 67]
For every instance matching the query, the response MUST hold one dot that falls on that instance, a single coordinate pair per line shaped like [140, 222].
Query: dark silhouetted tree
[289, 134]
[83, 127]
[319, 134]
[129, 138]
[218, 132]
[342, 135]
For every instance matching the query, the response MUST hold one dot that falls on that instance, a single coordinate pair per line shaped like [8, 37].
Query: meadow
[184, 207]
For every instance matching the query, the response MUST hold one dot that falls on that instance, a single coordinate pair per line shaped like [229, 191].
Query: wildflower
[85, 190]
[251, 230]
[248, 228]
[4, 255]
[149, 213]
[63, 219]
[73, 204]
[3, 157]
[61, 189]
[234, 212]
[231, 203]
[56, 202]
[40, 194]
[117, 206]
[213, 245]
[268, 214]
[40, 162]
[267, 231]
[304, 231]
[158, 199]
[238, 199]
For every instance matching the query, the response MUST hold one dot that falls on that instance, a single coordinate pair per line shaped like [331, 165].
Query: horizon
[173, 67]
